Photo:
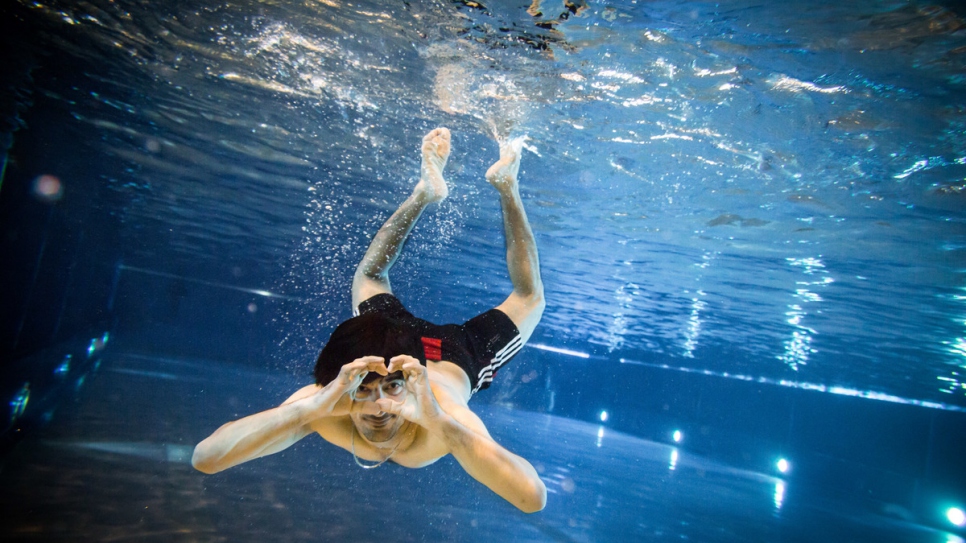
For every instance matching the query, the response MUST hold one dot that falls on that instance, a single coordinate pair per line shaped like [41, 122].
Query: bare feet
[503, 174]
[435, 153]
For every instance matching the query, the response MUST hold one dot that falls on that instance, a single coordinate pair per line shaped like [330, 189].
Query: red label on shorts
[433, 348]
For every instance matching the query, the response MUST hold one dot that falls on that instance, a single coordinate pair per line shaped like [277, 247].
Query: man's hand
[336, 397]
[419, 405]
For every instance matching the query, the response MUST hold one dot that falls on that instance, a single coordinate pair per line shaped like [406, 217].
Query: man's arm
[467, 439]
[277, 429]
[258, 435]
[509, 475]
[525, 304]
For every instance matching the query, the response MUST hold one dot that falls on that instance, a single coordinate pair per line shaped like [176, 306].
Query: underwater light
[18, 404]
[956, 516]
[48, 188]
[259, 292]
[783, 465]
[603, 416]
[64, 368]
[97, 344]
[558, 350]
[677, 436]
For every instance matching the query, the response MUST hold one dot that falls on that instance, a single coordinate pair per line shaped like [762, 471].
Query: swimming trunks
[480, 346]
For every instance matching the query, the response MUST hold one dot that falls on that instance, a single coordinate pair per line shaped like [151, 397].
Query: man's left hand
[419, 405]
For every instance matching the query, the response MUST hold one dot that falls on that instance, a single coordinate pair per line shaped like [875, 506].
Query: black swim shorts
[480, 345]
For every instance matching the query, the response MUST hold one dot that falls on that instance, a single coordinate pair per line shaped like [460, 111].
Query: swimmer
[390, 386]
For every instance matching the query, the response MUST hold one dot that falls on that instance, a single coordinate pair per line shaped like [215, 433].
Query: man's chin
[380, 435]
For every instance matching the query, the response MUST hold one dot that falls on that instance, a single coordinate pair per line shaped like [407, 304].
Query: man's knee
[530, 300]
[537, 304]
[365, 286]
[540, 303]
[533, 298]
[525, 310]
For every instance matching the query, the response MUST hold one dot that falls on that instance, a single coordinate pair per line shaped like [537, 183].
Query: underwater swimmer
[391, 386]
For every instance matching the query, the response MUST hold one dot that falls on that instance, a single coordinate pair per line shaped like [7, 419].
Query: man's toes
[439, 134]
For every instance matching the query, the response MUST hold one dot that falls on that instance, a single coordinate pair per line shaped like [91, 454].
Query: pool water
[751, 228]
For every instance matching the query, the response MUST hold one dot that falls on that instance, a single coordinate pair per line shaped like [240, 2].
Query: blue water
[750, 220]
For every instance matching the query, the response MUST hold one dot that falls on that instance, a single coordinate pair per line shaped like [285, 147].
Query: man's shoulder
[303, 392]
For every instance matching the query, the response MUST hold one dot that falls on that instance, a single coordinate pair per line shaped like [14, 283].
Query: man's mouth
[380, 419]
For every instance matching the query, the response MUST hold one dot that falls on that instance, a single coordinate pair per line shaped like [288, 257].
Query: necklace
[377, 464]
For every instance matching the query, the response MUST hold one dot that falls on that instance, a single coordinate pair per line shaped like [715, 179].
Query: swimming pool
[750, 221]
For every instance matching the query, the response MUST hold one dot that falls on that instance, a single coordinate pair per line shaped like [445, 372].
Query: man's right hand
[336, 397]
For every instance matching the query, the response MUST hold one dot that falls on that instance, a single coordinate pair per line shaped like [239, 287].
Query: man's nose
[374, 394]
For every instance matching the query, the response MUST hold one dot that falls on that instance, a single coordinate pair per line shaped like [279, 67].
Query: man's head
[380, 427]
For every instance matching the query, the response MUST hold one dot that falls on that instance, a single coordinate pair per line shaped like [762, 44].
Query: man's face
[382, 427]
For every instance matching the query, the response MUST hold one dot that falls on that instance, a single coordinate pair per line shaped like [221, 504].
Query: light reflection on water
[661, 133]
[815, 387]
[798, 348]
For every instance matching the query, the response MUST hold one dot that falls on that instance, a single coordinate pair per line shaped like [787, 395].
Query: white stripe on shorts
[501, 357]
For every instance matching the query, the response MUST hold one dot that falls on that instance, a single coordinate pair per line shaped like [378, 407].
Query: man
[390, 386]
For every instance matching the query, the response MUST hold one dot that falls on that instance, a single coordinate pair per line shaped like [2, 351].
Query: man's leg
[372, 274]
[525, 304]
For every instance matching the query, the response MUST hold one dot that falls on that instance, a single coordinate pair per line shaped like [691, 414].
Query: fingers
[376, 364]
[406, 364]
[360, 367]
[369, 363]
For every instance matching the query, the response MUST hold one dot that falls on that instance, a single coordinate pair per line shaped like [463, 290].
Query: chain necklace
[377, 464]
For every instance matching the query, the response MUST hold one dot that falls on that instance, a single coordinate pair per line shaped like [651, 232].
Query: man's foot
[503, 174]
[435, 153]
